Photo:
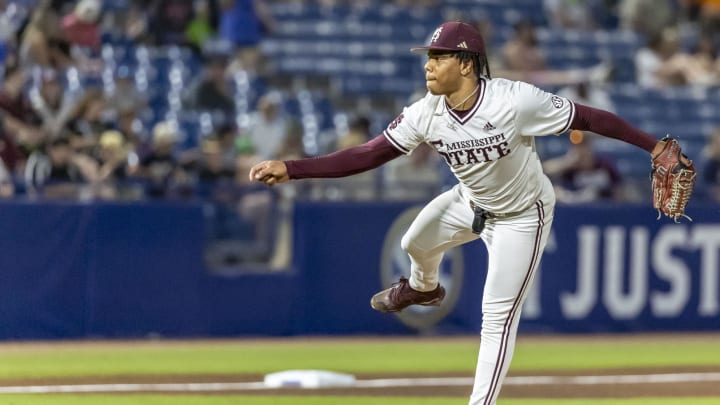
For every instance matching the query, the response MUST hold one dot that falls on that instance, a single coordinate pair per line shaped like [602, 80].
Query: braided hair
[479, 60]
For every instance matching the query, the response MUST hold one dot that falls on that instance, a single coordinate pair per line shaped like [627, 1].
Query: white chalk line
[374, 383]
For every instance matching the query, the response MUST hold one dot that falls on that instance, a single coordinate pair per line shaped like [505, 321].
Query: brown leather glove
[673, 179]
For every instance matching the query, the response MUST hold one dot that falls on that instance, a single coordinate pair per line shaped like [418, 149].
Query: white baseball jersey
[491, 150]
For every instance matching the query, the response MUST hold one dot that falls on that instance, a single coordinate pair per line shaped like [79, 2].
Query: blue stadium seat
[371, 85]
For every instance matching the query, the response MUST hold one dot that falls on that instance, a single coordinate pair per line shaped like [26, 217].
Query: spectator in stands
[521, 53]
[7, 183]
[703, 65]
[159, 167]
[646, 17]
[362, 186]
[213, 167]
[661, 64]
[12, 18]
[245, 156]
[133, 22]
[243, 23]
[689, 11]
[89, 119]
[52, 103]
[357, 134]
[11, 155]
[211, 91]
[293, 147]
[112, 157]
[7, 175]
[570, 14]
[81, 26]
[113, 153]
[130, 125]
[213, 176]
[522, 59]
[581, 175]
[656, 63]
[59, 172]
[711, 169]
[125, 96]
[226, 135]
[204, 24]
[268, 126]
[169, 20]
[42, 42]
[21, 127]
[709, 15]
[82, 33]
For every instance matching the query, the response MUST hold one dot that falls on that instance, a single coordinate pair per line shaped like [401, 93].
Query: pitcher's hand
[269, 172]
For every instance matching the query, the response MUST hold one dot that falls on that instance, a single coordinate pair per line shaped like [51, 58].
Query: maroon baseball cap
[455, 36]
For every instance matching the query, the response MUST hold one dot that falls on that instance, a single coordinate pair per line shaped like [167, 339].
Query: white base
[308, 379]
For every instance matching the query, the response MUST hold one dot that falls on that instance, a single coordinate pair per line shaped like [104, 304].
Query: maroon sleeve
[610, 125]
[346, 162]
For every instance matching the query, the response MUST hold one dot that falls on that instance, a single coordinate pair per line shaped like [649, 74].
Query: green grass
[352, 356]
[616, 353]
[252, 400]
[236, 357]
[346, 355]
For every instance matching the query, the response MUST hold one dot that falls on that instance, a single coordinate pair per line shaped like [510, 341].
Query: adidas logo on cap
[462, 45]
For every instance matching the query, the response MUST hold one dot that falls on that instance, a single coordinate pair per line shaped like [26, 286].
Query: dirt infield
[624, 383]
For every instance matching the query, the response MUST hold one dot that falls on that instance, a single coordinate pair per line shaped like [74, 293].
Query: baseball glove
[673, 179]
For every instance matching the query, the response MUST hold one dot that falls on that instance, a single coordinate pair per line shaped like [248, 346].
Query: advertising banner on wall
[616, 268]
[133, 270]
[605, 269]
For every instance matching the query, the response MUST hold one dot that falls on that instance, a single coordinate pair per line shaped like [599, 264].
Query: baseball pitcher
[484, 129]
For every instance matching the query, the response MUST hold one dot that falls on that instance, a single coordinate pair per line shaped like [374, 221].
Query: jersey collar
[473, 109]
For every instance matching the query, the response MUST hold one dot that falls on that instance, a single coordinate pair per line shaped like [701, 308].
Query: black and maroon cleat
[401, 295]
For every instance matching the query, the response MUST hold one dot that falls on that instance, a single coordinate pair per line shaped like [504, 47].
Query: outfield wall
[133, 270]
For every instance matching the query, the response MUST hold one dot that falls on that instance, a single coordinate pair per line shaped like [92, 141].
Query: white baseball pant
[515, 245]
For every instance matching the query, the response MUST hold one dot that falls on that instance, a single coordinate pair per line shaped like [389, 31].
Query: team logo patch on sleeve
[557, 101]
[396, 122]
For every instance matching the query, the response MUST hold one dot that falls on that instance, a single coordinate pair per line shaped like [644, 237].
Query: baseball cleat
[401, 295]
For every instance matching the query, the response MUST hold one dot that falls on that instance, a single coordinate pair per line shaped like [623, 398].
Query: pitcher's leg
[442, 224]
[514, 250]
